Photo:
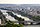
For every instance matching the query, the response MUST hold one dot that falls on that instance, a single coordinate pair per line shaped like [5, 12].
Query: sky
[19, 1]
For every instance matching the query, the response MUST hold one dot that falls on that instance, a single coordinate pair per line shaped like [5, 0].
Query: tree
[36, 18]
[11, 24]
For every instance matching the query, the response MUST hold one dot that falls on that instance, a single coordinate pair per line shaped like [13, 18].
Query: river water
[32, 26]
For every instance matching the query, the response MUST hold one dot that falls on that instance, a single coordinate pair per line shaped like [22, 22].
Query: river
[32, 26]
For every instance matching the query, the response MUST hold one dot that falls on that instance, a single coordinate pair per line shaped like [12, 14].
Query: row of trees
[11, 24]
[36, 18]
[16, 17]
